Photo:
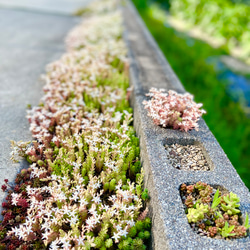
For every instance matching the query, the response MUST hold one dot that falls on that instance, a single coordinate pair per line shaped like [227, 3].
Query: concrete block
[170, 228]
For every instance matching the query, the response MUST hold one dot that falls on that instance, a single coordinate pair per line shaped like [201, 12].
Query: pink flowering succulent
[84, 187]
[171, 109]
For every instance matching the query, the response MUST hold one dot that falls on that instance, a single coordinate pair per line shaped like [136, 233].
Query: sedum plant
[197, 213]
[84, 187]
[226, 231]
[230, 204]
[177, 111]
[212, 214]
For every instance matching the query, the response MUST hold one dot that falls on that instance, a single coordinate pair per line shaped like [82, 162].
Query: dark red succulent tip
[23, 203]
[5, 205]
[4, 187]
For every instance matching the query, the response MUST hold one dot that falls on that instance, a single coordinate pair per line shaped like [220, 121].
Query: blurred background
[207, 44]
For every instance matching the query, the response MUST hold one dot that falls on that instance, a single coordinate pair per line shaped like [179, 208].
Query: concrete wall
[170, 228]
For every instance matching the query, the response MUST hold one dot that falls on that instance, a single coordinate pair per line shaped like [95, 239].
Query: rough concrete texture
[170, 228]
[28, 42]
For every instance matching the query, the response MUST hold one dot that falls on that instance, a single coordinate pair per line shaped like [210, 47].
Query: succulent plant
[216, 200]
[145, 195]
[226, 231]
[197, 214]
[240, 231]
[206, 192]
[190, 189]
[173, 110]
[246, 224]
[183, 187]
[212, 231]
[211, 214]
[220, 223]
[85, 172]
[231, 205]
[109, 243]
[189, 201]
[200, 185]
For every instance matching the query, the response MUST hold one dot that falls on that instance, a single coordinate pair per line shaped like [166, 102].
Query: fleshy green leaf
[216, 200]
[219, 215]
[226, 231]
[247, 222]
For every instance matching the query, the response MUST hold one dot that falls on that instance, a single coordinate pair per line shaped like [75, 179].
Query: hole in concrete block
[209, 218]
[187, 155]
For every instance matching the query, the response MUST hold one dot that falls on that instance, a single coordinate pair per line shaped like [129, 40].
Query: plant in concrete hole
[84, 187]
[173, 110]
[213, 213]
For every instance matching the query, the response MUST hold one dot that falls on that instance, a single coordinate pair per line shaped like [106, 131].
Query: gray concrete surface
[28, 42]
[53, 6]
[170, 228]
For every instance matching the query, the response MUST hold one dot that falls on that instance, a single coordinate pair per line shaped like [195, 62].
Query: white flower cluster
[82, 141]
[173, 110]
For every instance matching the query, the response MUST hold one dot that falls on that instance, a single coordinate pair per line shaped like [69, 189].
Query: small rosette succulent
[231, 205]
[196, 214]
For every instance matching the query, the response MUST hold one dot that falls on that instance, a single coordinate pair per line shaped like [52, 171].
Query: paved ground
[29, 40]
[54, 6]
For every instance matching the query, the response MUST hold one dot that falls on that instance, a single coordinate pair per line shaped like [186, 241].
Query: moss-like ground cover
[84, 187]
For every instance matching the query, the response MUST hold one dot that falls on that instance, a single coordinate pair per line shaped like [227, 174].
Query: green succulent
[196, 214]
[124, 245]
[147, 223]
[98, 242]
[216, 200]
[138, 244]
[132, 231]
[141, 235]
[206, 192]
[246, 224]
[109, 243]
[145, 195]
[231, 204]
[200, 185]
[139, 225]
[226, 230]
[147, 234]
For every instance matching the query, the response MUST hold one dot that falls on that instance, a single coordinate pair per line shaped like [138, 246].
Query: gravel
[189, 157]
